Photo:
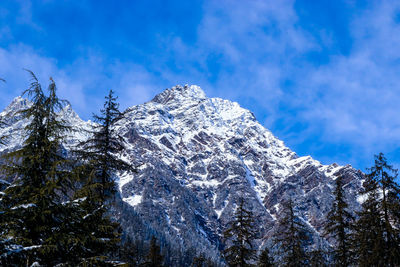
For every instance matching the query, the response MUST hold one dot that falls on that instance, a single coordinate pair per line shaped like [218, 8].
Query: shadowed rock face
[197, 156]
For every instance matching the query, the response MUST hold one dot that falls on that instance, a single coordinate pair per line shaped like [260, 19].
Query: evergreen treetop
[239, 236]
[265, 260]
[33, 214]
[291, 237]
[96, 168]
[154, 257]
[339, 225]
[100, 152]
[377, 236]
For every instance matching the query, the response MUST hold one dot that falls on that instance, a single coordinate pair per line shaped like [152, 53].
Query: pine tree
[291, 237]
[154, 257]
[265, 260]
[100, 152]
[385, 175]
[377, 238]
[238, 238]
[99, 162]
[339, 223]
[368, 236]
[131, 252]
[33, 214]
[318, 258]
[199, 261]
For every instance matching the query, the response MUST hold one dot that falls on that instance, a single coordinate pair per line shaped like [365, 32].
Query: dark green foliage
[199, 261]
[154, 257]
[132, 252]
[99, 162]
[339, 224]
[33, 215]
[318, 258]
[368, 238]
[238, 238]
[377, 237]
[291, 237]
[202, 261]
[265, 260]
[100, 152]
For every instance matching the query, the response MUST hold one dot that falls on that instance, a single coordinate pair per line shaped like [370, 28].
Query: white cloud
[84, 82]
[254, 48]
[355, 98]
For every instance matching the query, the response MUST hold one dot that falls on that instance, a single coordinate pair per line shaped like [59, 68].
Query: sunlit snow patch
[133, 200]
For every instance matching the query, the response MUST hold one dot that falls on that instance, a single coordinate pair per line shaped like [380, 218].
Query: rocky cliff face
[197, 156]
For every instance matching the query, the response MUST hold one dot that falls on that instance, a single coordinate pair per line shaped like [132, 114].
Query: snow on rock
[207, 153]
[197, 156]
[133, 200]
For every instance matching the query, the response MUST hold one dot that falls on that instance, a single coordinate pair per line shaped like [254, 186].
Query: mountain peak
[180, 93]
[17, 104]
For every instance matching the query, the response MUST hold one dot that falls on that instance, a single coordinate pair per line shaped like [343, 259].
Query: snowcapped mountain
[197, 157]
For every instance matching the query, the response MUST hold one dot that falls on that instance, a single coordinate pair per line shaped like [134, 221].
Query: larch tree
[239, 236]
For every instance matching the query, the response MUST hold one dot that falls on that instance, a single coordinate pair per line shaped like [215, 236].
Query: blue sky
[323, 76]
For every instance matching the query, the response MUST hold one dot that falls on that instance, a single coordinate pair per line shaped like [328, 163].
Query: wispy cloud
[354, 98]
[83, 82]
[334, 105]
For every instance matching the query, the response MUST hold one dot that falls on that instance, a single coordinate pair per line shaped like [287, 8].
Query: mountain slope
[200, 155]
[197, 156]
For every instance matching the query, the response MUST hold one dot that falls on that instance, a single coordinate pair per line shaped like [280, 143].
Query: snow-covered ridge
[179, 115]
[182, 112]
[197, 156]
[14, 125]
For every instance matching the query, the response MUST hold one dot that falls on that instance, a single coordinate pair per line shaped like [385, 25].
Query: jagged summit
[18, 103]
[180, 93]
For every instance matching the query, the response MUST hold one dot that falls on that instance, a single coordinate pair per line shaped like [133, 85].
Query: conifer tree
[265, 260]
[199, 261]
[318, 258]
[291, 237]
[239, 236]
[339, 224]
[99, 162]
[377, 238]
[131, 252]
[33, 214]
[101, 151]
[368, 236]
[154, 257]
[385, 175]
